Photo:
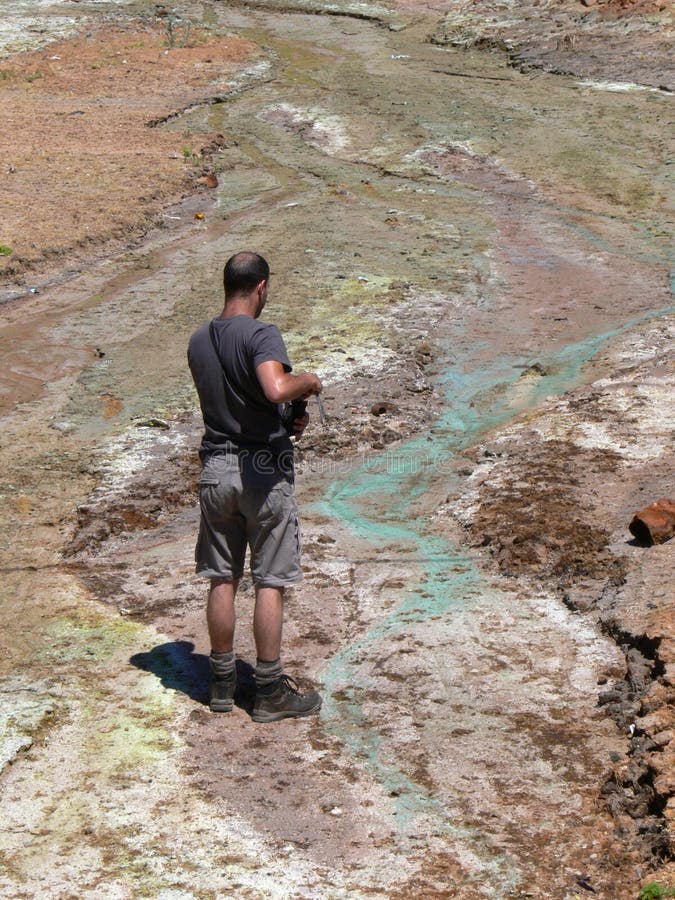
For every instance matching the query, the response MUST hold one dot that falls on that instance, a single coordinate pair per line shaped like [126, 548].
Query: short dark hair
[243, 272]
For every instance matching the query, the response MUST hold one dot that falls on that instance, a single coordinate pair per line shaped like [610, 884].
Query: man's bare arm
[280, 386]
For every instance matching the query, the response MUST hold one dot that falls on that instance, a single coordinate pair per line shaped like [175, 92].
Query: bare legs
[267, 622]
[267, 618]
[277, 696]
[220, 617]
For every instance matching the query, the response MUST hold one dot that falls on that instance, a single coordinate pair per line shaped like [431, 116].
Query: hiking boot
[221, 692]
[284, 701]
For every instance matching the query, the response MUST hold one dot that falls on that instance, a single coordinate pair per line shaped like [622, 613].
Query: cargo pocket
[275, 505]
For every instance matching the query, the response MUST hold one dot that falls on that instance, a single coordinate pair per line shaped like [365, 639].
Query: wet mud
[474, 255]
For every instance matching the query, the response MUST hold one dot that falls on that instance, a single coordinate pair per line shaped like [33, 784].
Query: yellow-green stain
[80, 638]
[349, 314]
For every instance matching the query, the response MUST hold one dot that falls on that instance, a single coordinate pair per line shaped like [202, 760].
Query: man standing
[242, 374]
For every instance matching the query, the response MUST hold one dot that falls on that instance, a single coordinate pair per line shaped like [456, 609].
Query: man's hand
[314, 388]
[280, 386]
[299, 426]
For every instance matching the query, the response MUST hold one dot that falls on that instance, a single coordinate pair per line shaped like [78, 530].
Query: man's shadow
[179, 668]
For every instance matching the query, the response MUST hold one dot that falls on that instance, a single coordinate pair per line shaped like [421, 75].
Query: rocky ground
[551, 498]
[480, 276]
[611, 40]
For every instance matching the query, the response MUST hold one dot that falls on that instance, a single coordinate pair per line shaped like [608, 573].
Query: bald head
[243, 273]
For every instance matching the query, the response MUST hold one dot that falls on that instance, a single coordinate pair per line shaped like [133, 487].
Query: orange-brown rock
[655, 523]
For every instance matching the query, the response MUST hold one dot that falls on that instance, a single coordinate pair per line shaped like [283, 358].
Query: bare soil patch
[80, 164]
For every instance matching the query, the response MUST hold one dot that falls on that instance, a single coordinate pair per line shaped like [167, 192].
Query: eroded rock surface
[458, 247]
[550, 499]
[620, 42]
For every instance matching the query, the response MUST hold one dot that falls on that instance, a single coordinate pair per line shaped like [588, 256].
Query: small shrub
[33, 76]
[5, 250]
[655, 891]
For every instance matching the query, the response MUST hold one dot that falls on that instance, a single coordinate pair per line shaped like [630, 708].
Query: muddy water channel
[452, 241]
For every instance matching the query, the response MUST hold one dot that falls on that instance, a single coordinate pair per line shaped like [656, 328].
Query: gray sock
[222, 664]
[268, 671]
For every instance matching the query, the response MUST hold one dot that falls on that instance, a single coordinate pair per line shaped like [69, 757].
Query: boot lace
[290, 685]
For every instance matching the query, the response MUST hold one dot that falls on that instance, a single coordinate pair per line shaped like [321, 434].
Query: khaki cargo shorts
[237, 513]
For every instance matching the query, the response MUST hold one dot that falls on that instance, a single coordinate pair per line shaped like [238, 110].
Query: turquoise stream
[377, 501]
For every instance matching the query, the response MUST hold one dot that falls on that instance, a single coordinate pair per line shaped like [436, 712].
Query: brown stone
[664, 767]
[658, 696]
[669, 674]
[666, 647]
[656, 722]
[655, 523]
[210, 180]
[663, 738]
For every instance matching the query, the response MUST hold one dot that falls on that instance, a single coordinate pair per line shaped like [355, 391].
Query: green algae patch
[82, 638]
[132, 712]
[128, 741]
[349, 321]
[350, 306]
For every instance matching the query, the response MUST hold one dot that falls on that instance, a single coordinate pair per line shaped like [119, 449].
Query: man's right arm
[280, 386]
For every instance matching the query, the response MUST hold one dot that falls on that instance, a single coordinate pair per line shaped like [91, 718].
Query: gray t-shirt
[237, 414]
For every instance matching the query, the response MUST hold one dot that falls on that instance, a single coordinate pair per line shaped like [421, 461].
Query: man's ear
[261, 294]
